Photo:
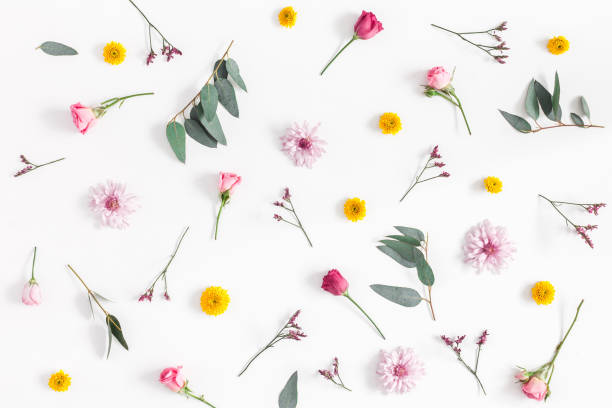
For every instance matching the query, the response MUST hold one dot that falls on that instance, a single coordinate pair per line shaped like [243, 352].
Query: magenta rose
[535, 388]
[172, 378]
[31, 294]
[83, 117]
[335, 283]
[367, 26]
[438, 78]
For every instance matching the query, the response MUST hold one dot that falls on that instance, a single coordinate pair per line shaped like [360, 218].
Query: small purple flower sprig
[148, 294]
[334, 375]
[435, 154]
[288, 205]
[454, 344]
[290, 331]
[31, 166]
[581, 230]
[495, 51]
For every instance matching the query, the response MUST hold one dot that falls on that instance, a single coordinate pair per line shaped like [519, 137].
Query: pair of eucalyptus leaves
[539, 97]
[203, 124]
[409, 250]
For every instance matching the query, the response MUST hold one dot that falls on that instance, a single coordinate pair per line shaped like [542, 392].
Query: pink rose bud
[227, 182]
[83, 117]
[535, 388]
[172, 378]
[31, 294]
[521, 376]
[335, 283]
[438, 78]
[367, 26]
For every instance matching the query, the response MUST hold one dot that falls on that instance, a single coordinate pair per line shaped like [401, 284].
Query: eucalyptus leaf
[56, 49]
[109, 340]
[411, 232]
[213, 128]
[395, 256]
[116, 330]
[402, 296]
[234, 73]
[196, 131]
[555, 99]
[545, 100]
[93, 316]
[424, 272]
[406, 251]
[175, 133]
[209, 98]
[577, 119]
[289, 395]
[531, 102]
[408, 240]
[516, 122]
[227, 96]
[100, 297]
[221, 71]
[585, 107]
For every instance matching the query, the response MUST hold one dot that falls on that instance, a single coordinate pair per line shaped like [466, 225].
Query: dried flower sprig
[333, 375]
[581, 230]
[290, 208]
[290, 331]
[148, 294]
[429, 165]
[112, 323]
[495, 51]
[454, 344]
[31, 166]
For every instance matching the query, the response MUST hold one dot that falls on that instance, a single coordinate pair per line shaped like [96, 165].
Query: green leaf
[555, 99]
[213, 128]
[402, 296]
[406, 251]
[234, 72]
[221, 71]
[175, 133]
[545, 100]
[93, 316]
[408, 240]
[227, 96]
[56, 49]
[289, 395]
[196, 131]
[531, 102]
[411, 232]
[424, 272]
[109, 339]
[100, 297]
[209, 98]
[115, 328]
[516, 122]
[577, 120]
[585, 107]
[395, 256]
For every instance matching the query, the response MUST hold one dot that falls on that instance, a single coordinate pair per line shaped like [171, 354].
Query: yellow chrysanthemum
[59, 381]
[287, 17]
[558, 45]
[355, 209]
[493, 185]
[543, 293]
[389, 123]
[114, 53]
[214, 300]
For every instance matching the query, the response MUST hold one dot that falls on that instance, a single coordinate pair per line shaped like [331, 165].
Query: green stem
[339, 52]
[416, 181]
[198, 397]
[150, 25]
[33, 261]
[462, 112]
[447, 98]
[223, 201]
[556, 209]
[51, 162]
[460, 35]
[471, 371]
[558, 349]
[123, 98]
[300, 223]
[366, 315]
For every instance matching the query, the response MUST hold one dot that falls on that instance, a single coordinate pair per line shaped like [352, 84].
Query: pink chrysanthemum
[302, 145]
[112, 204]
[399, 369]
[488, 247]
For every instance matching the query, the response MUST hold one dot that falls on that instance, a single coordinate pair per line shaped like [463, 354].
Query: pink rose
[172, 378]
[438, 78]
[535, 388]
[335, 283]
[227, 182]
[31, 294]
[83, 117]
[367, 26]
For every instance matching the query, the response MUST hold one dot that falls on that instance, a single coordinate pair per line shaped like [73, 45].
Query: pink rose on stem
[438, 78]
[227, 183]
[366, 27]
[31, 294]
[439, 84]
[535, 389]
[83, 117]
[172, 378]
[335, 284]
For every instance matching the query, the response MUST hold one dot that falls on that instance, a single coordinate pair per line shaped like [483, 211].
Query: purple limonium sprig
[581, 230]
[288, 205]
[290, 331]
[455, 344]
[429, 165]
[495, 51]
[31, 166]
[148, 294]
[333, 375]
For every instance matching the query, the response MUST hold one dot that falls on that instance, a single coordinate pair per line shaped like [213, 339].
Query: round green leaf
[406, 297]
[516, 122]
[577, 120]
[56, 49]
[175, 133]
[209, 98]
[227, 96]
[221, 71]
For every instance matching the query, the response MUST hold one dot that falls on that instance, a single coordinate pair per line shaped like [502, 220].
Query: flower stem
[416, 181]
[223, 201]
[366, 315]
[299, 222]
[462, 112]
[558, 348]
[33, 261]
[556, 209]
[460, 35]
[90, 292]
[150, 25]
[433, 315]
[564, 125]
[339, 52]
[198, 397]
[51, 162]
[123, 98]
[471, 371]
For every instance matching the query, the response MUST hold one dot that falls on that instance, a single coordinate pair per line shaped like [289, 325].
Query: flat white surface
[267, 267]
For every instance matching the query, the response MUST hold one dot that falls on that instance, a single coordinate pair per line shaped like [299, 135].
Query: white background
[267, 267]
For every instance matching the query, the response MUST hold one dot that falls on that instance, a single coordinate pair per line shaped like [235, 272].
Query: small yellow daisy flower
[114, 53]
[355, 209]
[493, 185]
[389, 123]
[543, 293]
[287, 17]
[558, 45]
[214, 300]
[59, 381]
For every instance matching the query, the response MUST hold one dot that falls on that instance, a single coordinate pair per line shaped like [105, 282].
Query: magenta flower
[488, 247]
[112, 204]
[399, 369]
[302, 144]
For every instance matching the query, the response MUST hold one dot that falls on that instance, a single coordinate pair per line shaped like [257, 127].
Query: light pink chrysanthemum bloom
[302, 144]
[488, 247]
[399, 369]
[112, 204]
